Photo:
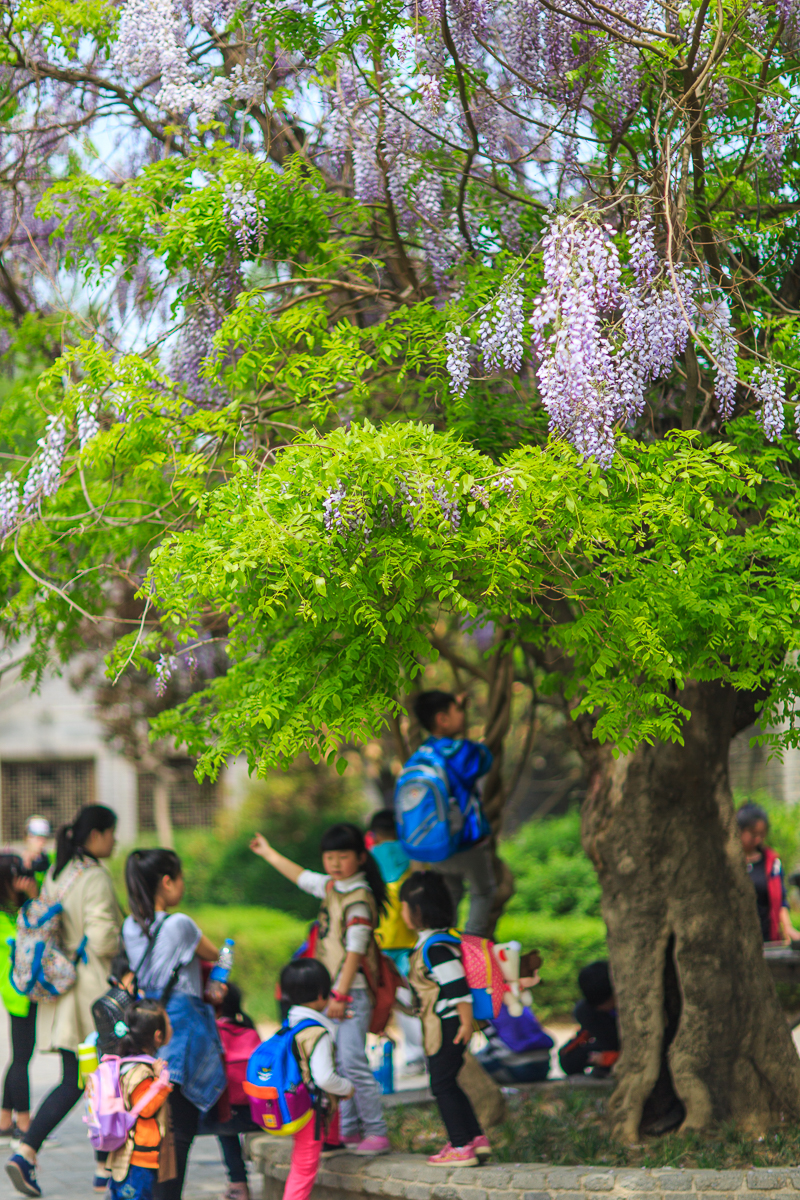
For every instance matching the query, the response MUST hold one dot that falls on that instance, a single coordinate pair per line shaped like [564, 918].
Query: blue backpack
[429, 820]
[280, 1101]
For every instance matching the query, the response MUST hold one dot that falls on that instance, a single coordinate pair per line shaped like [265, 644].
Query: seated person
[596, 1044]
[518, 1050]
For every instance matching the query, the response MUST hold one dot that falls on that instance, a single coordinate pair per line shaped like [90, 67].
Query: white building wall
[58, 723]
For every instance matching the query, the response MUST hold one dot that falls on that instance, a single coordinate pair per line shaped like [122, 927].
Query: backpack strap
[316, 1095]
[450, 938]
[152, 938]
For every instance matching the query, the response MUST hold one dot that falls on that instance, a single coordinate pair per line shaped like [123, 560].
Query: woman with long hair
[90, 925]
[15, 889]
[168, 948]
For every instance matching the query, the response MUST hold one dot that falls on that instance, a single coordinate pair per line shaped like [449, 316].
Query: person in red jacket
[766, 873]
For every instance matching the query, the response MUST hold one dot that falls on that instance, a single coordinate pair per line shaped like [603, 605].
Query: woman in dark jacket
[766, 872]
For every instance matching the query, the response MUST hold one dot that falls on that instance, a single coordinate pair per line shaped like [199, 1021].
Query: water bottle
[88, 1059]
[384, 1075]
[220, 972]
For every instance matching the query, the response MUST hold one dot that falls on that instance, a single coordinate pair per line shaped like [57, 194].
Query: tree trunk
[697, 1005]
[494, 796]
[161, 807]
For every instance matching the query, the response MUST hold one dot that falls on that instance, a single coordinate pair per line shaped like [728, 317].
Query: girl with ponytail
[353, 896]
[90, 925]
[136, 1165]
[166, 949]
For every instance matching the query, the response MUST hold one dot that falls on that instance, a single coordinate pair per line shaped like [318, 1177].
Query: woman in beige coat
[90, 926]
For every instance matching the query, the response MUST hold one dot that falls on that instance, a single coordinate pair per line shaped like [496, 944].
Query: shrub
[551, 871]
[265, 941]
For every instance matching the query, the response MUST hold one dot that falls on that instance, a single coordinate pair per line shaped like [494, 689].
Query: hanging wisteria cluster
[599, 341]
[715, 316]
[501, 331]
[152, 44]
[18, 501]
[243, 216]
[769, 386]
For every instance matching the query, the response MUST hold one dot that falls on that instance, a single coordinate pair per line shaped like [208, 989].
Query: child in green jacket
[15, 889]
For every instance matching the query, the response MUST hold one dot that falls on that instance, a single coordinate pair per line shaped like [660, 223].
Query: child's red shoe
[482, 1147]
[454, 1156]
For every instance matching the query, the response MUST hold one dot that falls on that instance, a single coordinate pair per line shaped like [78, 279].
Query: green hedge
[265, 941]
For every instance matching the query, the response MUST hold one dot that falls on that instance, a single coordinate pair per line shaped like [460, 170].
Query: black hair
[428, 897]
[345, 836]
[10, 898]
[144, 871]
[749, 815]
[383, 822]
[231, 1007]
[120, 966]
[595, 983]
[304, 980]
[428, 704]
[71, 839]
[144, 1019]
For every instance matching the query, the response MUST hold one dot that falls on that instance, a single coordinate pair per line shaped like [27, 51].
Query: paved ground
[65, 1170]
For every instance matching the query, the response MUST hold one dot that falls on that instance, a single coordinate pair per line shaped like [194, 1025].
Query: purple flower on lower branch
[769, 387]
[457, 361]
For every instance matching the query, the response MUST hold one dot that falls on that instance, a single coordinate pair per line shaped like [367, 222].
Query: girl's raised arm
[262, 848]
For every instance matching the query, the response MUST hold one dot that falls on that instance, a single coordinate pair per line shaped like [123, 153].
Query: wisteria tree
[322, 320]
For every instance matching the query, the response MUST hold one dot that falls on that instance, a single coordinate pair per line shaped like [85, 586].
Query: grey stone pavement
[65, 1170]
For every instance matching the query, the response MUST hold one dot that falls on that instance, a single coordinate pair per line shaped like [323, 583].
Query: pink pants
[305, 1160]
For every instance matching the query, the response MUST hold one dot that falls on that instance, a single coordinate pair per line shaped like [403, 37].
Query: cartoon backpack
[491, 970]
[40, 967]
[108, 1119]
[280, 1101]
[429, 820]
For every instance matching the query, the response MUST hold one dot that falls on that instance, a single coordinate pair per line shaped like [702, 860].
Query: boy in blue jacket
[466, 762]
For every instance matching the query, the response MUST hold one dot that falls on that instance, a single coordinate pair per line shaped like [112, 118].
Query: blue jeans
[137, 1184]
[366, 1107]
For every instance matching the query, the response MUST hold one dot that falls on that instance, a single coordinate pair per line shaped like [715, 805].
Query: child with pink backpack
[444, 1002]
[126, 1108]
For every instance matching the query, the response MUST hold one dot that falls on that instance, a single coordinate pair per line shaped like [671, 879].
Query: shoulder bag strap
[152, 938]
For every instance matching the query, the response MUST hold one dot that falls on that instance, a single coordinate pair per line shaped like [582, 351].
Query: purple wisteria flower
[9, 503]
[458, 350]
[88, 424]
[165, 668]
[500, 333]
[44, 475]
[722, 344]
[769, 386]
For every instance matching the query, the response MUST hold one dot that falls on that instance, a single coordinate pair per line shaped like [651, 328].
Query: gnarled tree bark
[659, 827]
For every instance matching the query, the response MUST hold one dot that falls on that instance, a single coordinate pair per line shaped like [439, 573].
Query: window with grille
[53, 788]
[191, 803]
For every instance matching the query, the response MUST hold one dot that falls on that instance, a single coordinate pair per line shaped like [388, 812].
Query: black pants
[459, 1119]
[16, 1089]
[185, 1119]
[231, 1149]
[56, 1104]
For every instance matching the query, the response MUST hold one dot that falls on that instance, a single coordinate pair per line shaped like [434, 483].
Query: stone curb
[408, 1177]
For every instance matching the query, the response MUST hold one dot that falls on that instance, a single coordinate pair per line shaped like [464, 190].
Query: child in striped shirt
[444, 1003]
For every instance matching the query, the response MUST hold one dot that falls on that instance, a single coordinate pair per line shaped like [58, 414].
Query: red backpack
[238, 1044]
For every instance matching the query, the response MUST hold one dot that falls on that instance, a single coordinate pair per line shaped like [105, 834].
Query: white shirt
[321, 1063]
[357, 937]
